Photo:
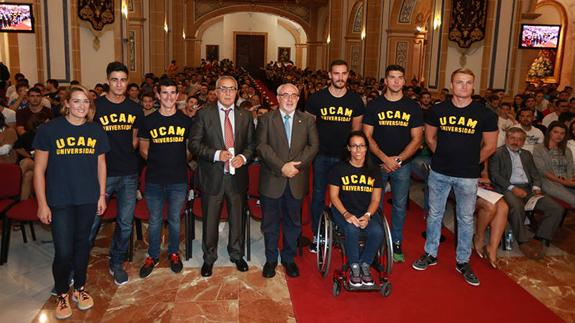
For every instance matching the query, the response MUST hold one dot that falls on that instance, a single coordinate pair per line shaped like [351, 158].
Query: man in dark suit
[513, 174]
[223, 141]
[287, 142]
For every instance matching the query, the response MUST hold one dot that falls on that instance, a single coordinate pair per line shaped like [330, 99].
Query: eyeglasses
[357, 147]
[289, 96]
[227, 89]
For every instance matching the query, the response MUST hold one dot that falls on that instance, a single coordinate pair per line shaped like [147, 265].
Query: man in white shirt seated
[560, 107]
[534, 135]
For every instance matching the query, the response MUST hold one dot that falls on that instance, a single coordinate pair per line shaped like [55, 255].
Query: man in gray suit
[222, 139]
[513, 174]
[287, 142]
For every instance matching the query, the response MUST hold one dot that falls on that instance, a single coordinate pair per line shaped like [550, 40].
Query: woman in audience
[555, 163]
[70, 181]
[8, 137]
[517, 102]
[355, 191]
[489, 214]
[571, 141]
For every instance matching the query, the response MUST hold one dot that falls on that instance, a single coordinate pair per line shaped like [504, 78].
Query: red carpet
[438, 294]
[266, 93]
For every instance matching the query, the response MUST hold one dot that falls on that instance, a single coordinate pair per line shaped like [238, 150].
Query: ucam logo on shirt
[168, 134]
[357, 183]
[458, 124]
[339, 114]
[117, 121]
[75, 146]
[393, 118]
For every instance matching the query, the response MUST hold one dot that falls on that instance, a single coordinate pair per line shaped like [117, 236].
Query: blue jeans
[420, 169]
[465, 190]
[70, 230]
[125, 188]
[156, 194]
[322, 164]
[400, 180]
[374, 237]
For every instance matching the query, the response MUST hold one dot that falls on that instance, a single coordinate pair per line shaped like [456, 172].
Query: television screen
[16, 17]
[540, 36]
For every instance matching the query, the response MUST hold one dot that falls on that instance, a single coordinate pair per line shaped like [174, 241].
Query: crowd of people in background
[518, 145]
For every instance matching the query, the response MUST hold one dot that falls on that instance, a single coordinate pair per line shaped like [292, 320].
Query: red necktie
[228, 136]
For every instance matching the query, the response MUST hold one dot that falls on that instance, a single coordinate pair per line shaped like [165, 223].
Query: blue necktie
[287, 128]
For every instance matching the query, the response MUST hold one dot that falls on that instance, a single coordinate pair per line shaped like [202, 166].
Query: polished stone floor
[228, 296]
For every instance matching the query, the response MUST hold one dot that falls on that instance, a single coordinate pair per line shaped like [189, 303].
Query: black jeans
[71, 226]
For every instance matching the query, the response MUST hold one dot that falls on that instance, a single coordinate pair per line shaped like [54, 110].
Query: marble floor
[228, 296]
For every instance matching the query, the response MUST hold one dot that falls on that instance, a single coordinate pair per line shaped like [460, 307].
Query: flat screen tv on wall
[16, 17]
[539, 36]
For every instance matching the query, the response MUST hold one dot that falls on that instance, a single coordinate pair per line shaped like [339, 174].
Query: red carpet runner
[438, 294]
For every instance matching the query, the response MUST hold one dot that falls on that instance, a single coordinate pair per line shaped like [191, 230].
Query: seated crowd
[76, 148]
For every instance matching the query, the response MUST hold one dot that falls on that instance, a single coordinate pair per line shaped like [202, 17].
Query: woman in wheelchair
[355, 191]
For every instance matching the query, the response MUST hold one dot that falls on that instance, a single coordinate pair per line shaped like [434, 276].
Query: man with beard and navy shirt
[393, 124]
[121, 118]
[337, 112]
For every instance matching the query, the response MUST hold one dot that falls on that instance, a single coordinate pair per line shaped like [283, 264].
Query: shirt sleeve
[417, 120]
[359, 107]
[378, 180]
[490, 121]
[334, 176]
[431, 117]
[103, 145]
[369, 115]
[138, 124]
[42, 139]
[310, 105]
[143, 131]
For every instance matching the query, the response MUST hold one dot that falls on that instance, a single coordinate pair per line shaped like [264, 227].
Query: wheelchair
[330, 237]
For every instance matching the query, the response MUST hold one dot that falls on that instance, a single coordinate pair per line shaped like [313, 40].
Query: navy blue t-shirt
[392, 122]
[355, 186]
[119, 120]
[459, 135]
[333, 119]
[167, 153]
[72, 172]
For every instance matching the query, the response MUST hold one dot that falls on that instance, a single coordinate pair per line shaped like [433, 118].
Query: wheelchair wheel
[336, 289]
[386, 248]
[385, 289]
[324, 243]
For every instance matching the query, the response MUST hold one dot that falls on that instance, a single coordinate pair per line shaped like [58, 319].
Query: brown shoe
[83, 299]
[532, 249]
[63, 309]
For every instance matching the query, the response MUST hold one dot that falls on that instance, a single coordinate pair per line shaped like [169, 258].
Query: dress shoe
[532, 249]
[241, 264]
[477, 247]
[207, 269]
[491, 259]
[291, 269]
[269, 269]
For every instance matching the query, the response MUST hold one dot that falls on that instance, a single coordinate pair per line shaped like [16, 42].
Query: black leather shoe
[241, 264]
[207, 269]
[291, 269]
[269, 269]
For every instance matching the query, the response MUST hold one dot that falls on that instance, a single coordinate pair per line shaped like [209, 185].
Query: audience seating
[23, 212]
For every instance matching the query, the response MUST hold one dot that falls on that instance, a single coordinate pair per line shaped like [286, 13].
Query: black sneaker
[119, 274]
[176, 263]
[148, 266]
[313, 245]
[355, 275]
[468, 274]
[366, 278]
[424, 261]
[397, 253]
